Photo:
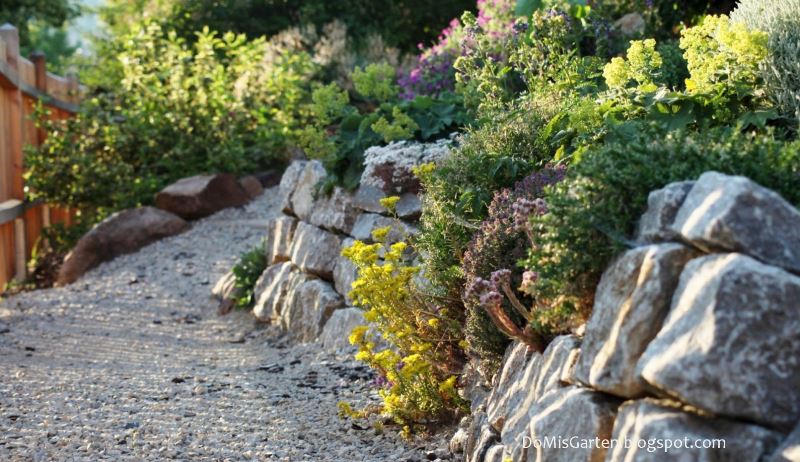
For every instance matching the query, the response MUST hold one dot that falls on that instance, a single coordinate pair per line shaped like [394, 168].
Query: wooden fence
[23, 83]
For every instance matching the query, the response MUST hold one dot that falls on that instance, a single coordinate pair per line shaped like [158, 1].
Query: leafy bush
[341, 132]
[217, 105]
[780, 20]
[593, 213]
[402, 23]
[418, 371]
[246, 273]
[723, 87]
[458, 191]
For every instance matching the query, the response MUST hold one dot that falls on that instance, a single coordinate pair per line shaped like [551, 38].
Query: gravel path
[132, 363]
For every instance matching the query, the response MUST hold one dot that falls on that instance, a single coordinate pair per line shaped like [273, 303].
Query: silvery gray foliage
[780, 19]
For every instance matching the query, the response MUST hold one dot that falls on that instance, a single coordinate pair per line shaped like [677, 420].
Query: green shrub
[246, 273]
[403, 24]
[780, 20]
[723, 86]
[342, 131]
[458, 191]
[593, 213]
[217, 105]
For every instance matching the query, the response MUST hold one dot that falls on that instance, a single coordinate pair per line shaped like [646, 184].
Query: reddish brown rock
[121, 233]
[201, 195]
[251, 186]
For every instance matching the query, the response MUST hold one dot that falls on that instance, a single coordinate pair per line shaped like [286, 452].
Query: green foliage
[215, 105]
[246, 273]
[721, 53]
[723, 87]
[642, 67]
[340, 132]
[28, 14]
[674, 70]
[780, 20]
[376, 82]
[592, 215]
[53, 43]
[458, 191]
[402, 127]
[403, 24]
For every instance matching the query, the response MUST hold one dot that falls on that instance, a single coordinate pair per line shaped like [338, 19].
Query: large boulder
[123, 232]
[335, 336]
[505, 383]
[631, 302]
[251, 186]
[201, 195]
[656, 225]
[274, 288]
[481, 436]
[278, 241]
[289, 183]
[730, 342]
[513, 426]
[495, 454]
[303, 196]
[345, 272]
[789, 450]
[389, 168]
[315, 250]
[571, 414]
[409, 207]
[650, 426]
[368, 198]
[735, 214]
[369, 222]
[225, 288]
[334, 212]
[309, 307]
[558, 358]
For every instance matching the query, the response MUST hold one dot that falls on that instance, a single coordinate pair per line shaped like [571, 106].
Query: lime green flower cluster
[418, 371]
[402, 127]
[376, 81]
[720, 52]
[642, 66]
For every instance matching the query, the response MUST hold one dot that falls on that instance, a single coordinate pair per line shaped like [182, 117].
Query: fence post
[40, 72]
[10, 36]
[40, 69]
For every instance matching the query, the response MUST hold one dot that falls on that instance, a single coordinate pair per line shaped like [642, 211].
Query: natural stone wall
[304, 289]
[695, 335]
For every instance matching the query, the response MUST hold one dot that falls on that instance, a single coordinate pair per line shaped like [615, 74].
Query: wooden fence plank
[24, 83]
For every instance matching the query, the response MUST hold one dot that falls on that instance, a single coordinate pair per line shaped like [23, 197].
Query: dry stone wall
[694, 337]
[306, 284]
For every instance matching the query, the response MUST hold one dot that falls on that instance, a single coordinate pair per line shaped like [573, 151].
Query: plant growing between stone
[418, 371]
[246, 273]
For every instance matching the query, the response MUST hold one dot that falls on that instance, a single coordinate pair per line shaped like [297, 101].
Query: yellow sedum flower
[416, 384]
[357, 334]
[389, 203]
[379, 234]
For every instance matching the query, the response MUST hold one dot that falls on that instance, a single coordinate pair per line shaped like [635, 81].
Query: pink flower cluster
[434, 73]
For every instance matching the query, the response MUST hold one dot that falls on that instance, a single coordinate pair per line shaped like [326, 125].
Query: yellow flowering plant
[419, 368]
[725, 84]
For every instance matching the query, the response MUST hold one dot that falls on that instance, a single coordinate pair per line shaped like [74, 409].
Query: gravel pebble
[132, 363]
